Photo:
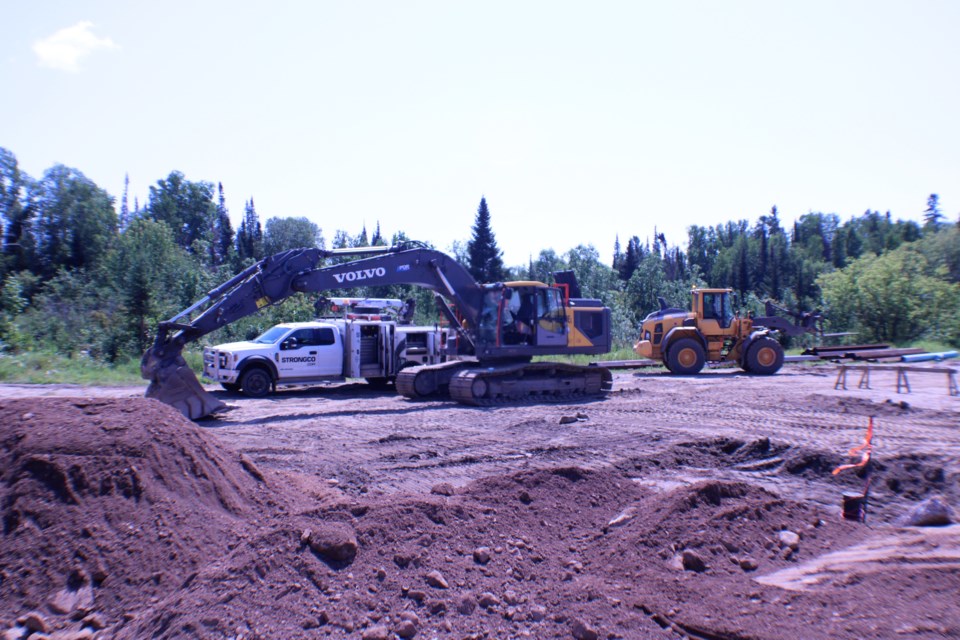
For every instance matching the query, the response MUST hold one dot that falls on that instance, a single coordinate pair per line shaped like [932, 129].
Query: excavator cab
[521, 315]
[525, 318]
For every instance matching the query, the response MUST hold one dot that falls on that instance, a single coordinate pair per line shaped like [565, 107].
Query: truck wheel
[765, 357]
[685, 357]
[232, 387]
[256, 382]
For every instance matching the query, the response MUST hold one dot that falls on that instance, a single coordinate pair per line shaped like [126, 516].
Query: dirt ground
[699, 507]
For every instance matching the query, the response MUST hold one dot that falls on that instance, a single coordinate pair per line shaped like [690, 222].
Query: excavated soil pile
[123, 520]
[109, 505]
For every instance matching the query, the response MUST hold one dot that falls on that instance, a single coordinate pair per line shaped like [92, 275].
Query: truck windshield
[270, 336]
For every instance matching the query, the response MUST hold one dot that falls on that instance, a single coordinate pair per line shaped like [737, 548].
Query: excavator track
[429, 380]
[528, 382]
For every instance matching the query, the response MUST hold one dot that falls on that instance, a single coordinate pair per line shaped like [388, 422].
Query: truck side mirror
[289, 343]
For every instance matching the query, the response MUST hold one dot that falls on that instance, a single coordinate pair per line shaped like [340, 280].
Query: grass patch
[50, 368]
[624, 353]
[932, 346]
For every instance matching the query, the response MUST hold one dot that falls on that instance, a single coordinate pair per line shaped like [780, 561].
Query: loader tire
[256, 382]
[685, 357]
[765, 357]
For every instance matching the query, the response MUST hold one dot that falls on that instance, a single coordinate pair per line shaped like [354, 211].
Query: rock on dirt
[932, 512]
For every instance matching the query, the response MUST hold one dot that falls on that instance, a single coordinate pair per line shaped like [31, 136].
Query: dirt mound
[109, 504]
[123, 520]
[729, 527]
[550, 553]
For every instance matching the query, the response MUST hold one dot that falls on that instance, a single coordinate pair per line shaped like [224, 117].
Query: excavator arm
[277, 277]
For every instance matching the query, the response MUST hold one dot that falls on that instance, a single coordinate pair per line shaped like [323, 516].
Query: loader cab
[713, 309]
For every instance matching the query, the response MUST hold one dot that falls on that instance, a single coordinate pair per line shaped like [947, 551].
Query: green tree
[485, 260]
[932, 215]
[631, 259]
[223, 236]
[893, 298]
[942, 251]
[377, 239]
[281, 234]
[546, 264]
[595, 278]
[649, 282]
[148, 270]
[12, 304]
[250, 234]
[124, 220]
[186, 207]
[75, 221]
[16, 212]
[362, 240]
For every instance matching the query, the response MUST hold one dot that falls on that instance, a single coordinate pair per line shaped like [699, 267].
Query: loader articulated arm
[803, 322]
[274, 279]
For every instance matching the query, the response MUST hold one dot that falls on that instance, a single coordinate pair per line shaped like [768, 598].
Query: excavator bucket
[174, 383]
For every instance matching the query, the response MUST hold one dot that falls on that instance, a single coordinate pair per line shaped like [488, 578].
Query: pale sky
[577, 121]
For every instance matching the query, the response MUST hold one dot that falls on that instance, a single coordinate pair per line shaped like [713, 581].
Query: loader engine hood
[666, 313]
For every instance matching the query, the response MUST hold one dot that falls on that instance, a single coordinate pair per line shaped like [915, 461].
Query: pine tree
[124, 221]
[631, 259]
[16, 211]
[377, 240]
[484, 257]
[250, 236]
[362, 240]
[932, 215]
[223, 236]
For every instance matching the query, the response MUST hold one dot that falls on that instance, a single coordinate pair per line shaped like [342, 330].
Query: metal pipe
[925, 357]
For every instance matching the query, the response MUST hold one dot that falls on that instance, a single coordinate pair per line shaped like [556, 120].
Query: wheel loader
[711, 332]
[500, 326]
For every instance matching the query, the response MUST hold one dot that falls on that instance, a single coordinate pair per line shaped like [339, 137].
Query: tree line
[82, 276]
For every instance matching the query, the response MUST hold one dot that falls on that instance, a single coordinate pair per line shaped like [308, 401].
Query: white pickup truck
[323, 350]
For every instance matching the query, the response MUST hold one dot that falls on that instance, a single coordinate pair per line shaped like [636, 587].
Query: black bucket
[854, 506]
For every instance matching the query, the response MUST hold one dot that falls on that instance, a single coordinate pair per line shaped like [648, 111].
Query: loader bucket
[175, 384]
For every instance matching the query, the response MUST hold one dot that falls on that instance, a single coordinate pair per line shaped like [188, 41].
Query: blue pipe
[924, 357]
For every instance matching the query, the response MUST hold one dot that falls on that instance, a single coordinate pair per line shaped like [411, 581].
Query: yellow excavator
[712, 332]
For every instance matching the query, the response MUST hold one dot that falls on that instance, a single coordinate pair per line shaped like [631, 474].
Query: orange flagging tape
[866, 448]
